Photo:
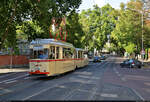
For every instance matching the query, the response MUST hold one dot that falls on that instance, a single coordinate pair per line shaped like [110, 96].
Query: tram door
[58, 62]
[52, 62]
[68, 56]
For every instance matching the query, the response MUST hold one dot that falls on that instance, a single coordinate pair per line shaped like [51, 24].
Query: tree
[74, 29]
[128, 27]
[15, 12]
[97, 24]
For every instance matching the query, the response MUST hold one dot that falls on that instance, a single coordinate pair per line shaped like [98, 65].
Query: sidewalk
[8, 70]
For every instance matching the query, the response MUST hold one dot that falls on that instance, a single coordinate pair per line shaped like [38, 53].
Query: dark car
[131, 63]
[102, 57]
[96, 59]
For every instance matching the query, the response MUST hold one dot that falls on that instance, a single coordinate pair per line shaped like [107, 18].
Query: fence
[14, 61]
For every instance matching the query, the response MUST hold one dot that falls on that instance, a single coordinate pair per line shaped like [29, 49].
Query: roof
[50, 41]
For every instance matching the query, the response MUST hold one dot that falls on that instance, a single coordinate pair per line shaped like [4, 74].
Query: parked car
[96, 59]
[102, 57]
[131, 63]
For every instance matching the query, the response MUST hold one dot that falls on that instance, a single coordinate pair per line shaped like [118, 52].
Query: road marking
[27, 78]
[85, 73]
[80, 80]
[109, 95]
[96, 78]
[7, 75]
[82, 76]
[14, 78]
[11, 81]
[71, 93]
[119, 75]
[138, 94]
[148, 84]
[93, 93]
[123, 79]
[61, 86]
[4, 91]
[40, 92]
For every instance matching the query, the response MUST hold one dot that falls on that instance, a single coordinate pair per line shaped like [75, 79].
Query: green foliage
[128, 27]
[97, 24]
[16, 12]
[74, 29]
[130, 48]
[30, 30]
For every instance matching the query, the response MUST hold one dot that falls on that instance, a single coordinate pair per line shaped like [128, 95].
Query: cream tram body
[60, 57]
[82, 60]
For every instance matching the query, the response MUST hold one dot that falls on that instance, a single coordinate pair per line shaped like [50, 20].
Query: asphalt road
[97, 81]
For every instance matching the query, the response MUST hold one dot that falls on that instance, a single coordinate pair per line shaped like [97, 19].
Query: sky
[89, 3]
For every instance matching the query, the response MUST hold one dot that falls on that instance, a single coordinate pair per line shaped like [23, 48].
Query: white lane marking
[13, 78]
[61, 86]
[40, 92]
[138, 94]
[118, 74]
[123, 79]
[83, 81]
[11, 81]
[3, 91]
[93, 93]
[109, 95]
[27, 78]
[82, 76]
[84, 73]
[7, 75]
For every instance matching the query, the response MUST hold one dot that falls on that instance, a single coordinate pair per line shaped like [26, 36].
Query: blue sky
[89, 3]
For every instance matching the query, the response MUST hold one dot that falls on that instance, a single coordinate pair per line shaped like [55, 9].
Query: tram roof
[80, 49]
[50, 41]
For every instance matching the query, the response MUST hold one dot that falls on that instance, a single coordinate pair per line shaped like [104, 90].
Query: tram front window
[39, 54]
[43, 55]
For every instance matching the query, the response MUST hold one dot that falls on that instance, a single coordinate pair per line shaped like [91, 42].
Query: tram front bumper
[38, 72]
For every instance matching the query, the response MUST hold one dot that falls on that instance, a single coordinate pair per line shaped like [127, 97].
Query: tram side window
[85, 55]
[52, 52]
[82, 54]
[79, 54]
[67, 53]
[57, 52]
[76, 54]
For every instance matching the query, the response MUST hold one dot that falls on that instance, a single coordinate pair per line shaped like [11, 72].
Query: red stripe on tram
[54, 60]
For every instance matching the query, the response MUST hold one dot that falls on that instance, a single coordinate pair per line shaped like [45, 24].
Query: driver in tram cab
[42, 55]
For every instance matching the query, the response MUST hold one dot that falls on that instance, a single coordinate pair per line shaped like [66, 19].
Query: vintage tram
[50, 57]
